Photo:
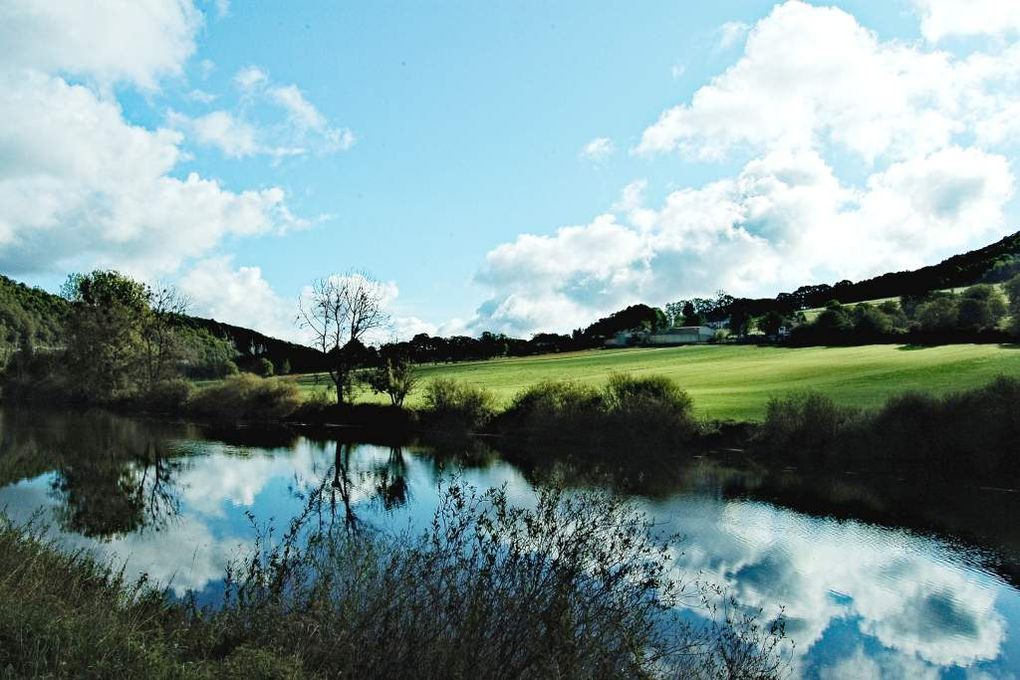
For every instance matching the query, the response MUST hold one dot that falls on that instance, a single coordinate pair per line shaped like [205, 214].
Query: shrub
[395, 379]
[649, 406]
[450, 404]
[556, 407]
[577, 587]
[246, 397]
[264, 367]
[168, 396]
[803, 424]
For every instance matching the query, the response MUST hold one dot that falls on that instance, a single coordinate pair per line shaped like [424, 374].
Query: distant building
[684, 335]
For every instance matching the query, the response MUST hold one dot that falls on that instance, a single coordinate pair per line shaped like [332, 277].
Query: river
[877, 576]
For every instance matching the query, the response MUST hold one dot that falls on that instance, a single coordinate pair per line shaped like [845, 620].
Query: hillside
[33, 312]
[736, 381]
[993, 263]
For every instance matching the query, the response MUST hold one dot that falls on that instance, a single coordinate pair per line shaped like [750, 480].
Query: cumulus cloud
[598, 149]
[239, 295]
[812, 84]
[811, 74]
[731, 33]
[786, 219]
[109, 41]
[80, 186]
[941, 19]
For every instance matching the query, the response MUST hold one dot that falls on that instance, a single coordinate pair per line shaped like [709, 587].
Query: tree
[339, 311]
[162, 343]
[264, 367]
[395, 379]
[103, 332]
[771, 323]
[938, 314]
[1012, 288]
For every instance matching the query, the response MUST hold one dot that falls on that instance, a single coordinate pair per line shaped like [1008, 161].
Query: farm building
[684, 335]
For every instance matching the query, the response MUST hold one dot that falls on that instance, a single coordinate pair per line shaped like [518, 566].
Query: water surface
[878, 576]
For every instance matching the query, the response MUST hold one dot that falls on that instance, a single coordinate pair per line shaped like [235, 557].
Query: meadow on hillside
[735, 382]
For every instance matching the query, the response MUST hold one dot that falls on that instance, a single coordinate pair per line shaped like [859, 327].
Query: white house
[683, 335]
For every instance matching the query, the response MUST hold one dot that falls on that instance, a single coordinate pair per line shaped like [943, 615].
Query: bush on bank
[634, 408]
[974, 432]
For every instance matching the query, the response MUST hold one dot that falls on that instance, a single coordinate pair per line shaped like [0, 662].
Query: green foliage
[649, 408]
[939, 314]
[556, 407]
[167, 396]
[578, 586]
[971, 433]
[457, 405]
[247, 397]
[803, 424]
[264, 368]
[396, 378]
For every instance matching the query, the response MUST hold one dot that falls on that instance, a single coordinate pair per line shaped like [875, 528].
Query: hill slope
[736, 381]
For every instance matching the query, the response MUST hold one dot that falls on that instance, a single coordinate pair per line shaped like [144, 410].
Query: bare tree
[339, 311]
[161, 342]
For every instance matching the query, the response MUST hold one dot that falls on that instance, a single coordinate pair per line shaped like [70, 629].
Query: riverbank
[971, 433]
[477, 595]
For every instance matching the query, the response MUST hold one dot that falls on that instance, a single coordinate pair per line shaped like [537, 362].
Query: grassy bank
[736, 382]
[576, 587]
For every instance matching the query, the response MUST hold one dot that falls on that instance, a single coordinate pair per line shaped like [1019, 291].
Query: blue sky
[505, 166]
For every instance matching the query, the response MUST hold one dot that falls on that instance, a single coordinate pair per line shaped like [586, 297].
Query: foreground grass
[736, 382]
[576, 587]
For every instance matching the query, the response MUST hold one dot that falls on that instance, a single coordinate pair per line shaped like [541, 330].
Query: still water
[878, 577]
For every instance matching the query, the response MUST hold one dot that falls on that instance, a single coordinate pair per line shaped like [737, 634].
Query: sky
[506, 166]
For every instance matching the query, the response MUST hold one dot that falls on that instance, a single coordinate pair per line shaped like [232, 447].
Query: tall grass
[574, 587]
[246, 397]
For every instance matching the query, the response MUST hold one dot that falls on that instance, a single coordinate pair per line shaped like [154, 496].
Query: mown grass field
[736, 382]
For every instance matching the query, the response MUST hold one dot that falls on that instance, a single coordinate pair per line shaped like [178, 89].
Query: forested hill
[39, 316]
[990, 264]
[250, 343]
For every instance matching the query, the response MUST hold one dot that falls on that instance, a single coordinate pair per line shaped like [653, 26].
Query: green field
[736, 382]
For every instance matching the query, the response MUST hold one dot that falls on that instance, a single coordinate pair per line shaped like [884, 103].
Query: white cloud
[235, 138]
[222, 8]
[201, 96]
[239, 296]
[731, 33]
[109, 41]
[304, 128]
[941, 19]
[813, 75]
[598, 149]
[79, 186]
[785, 220]
[250, 77]
[812, 84]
